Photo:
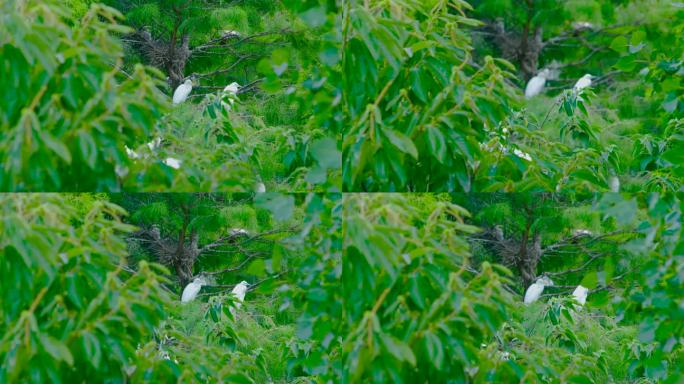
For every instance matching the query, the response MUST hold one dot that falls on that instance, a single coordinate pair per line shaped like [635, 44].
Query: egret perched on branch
[232, 88]
[583, 82]
[581, 232]
[580, 295]
[238, 231]
[535, 290]
[227, 33]
[191, 290]
[536, 84]
[239, 293]
[582, 25]
[230, 92]
[182, 92]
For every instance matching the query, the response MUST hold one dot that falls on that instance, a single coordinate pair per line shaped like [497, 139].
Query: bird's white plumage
[232, 88]
[131, 153]
[172, 162]
[182, 92]
[582, 25]
[614, 184]
[580, 294]
[230, 33]
[230, 92]
[522, 155]
[154, 144]
[583, 82]
[238, 231]
[191, 290]
[239, 293]
[535, 290]
[536, 84]
[260, 187]
[581, 232]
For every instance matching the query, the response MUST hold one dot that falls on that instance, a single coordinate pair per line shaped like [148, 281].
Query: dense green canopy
[434, 191]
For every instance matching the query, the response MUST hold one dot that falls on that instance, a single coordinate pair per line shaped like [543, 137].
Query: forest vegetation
[354, 288]
[341, 191]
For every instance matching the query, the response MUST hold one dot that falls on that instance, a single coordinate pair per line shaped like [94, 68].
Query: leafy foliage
[72, 311]
[414, 120]
[67, 110]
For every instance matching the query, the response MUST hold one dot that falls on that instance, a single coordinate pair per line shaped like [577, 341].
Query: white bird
[239, 293]
[182, 92]
[582, 25]
[228, 33]
[154, 144]
[614, 184]
[583, 82]
[232, 88]
[172, 162]
[191, 290]
[580, 295]
[522, 155]
[231, 91]
[536, 84]
[535, 290]
[238, 231]
[131, 153]
[582, 232]
[260, 187]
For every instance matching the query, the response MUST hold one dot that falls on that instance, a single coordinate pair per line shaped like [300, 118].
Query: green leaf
[88, 148]
[257, 267]
[397, 348]
[437, 144]
[280, 205]
[619, 44]
[56, 146]
[326, 153]
[418, 84]
[91, 348]
[56, 349]
[590, 280]
[402, 142]
[237, 378]
[314, 17]
[435, 351]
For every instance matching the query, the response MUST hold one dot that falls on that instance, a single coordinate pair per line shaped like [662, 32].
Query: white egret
[131, 153]
[582, 232]
[239, 293]
[228, 33]
[536, 84]
[260, 187]
[182, 92]
[580, 295]
[614, 184]
[231, 91]
[535, 290]
[172, 162]
[238, 231]
[191, 290]
[582, 25]
[232, 88]
[522, 155]
[154, 144]
[583, 82]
